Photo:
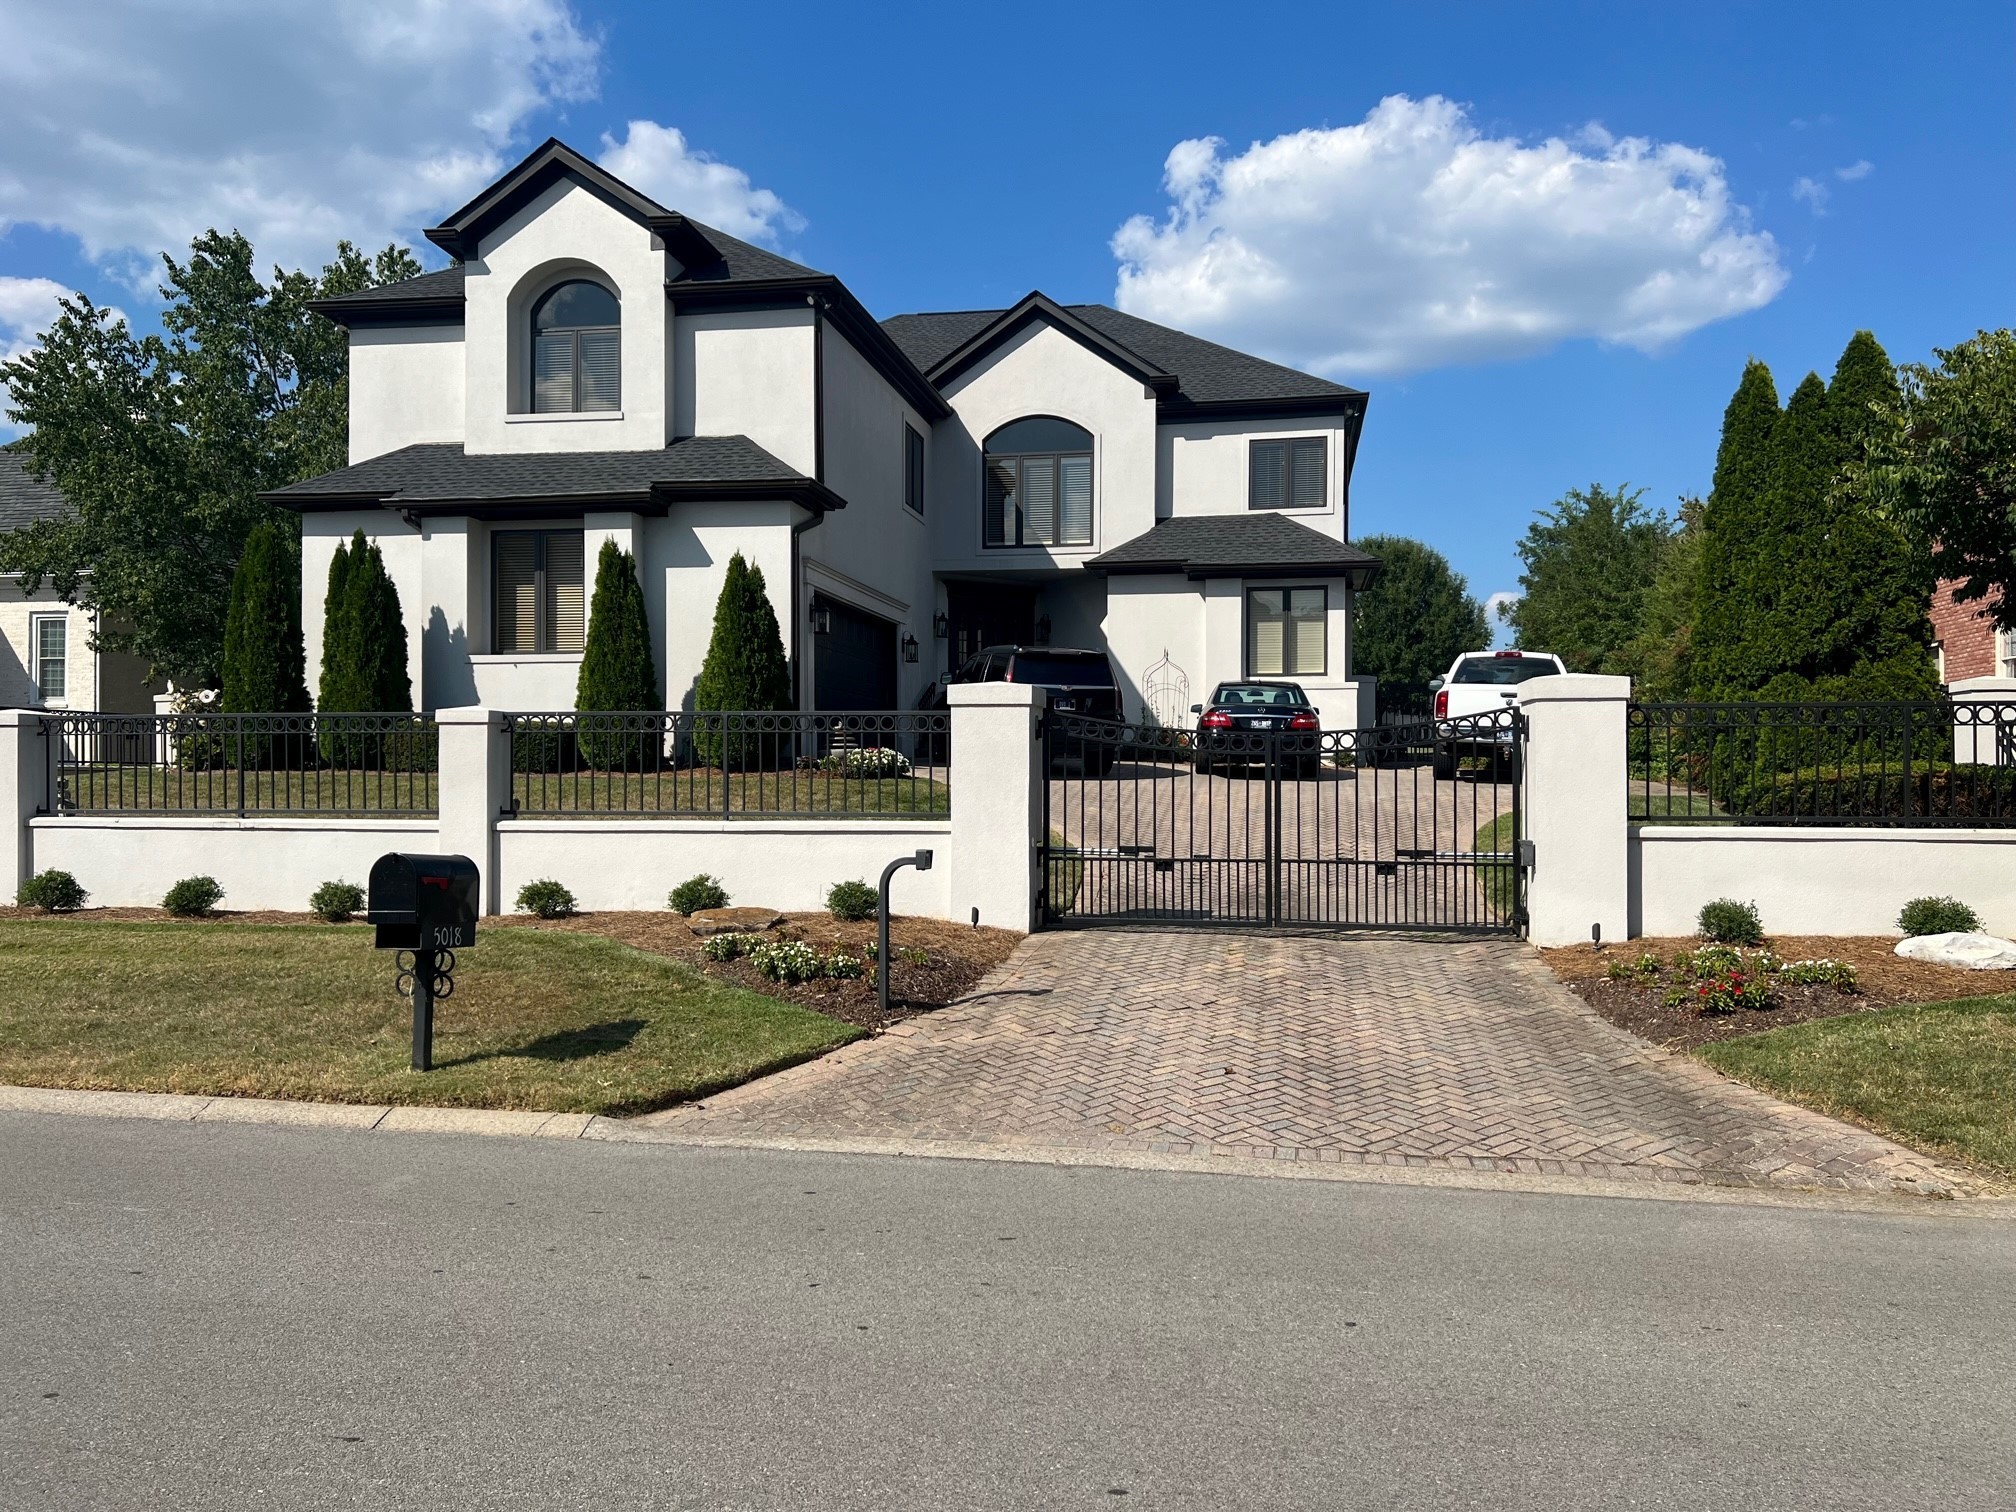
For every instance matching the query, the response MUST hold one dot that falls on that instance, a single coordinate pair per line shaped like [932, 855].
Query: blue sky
[1547, 254]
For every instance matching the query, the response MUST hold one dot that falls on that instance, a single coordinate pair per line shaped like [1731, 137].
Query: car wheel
[1445, 766]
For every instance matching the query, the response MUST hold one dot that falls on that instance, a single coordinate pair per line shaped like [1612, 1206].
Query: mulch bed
[1885, 979]
[957, 955]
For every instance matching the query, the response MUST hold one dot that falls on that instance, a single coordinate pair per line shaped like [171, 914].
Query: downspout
[798, 605]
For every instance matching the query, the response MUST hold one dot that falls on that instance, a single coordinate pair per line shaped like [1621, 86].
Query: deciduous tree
[1413, 621]
[1591, 558]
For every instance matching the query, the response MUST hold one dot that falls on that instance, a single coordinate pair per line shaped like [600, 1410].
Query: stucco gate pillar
[475, 784]
[23, 775]
[1575, 807]
[997, 801]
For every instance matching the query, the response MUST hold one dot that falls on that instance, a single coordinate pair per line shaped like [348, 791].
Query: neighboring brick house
[1965, 640]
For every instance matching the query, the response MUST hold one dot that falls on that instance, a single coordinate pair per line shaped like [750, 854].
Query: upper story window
[1039, 484]
[577, 350]
[1287, 474]
[538, 602]
[913, 468]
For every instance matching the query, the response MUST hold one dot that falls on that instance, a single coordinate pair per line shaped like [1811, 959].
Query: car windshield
[1059, 671]
[1503, 669]
[1258, 695]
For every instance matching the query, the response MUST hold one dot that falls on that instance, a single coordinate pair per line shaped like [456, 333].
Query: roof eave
[390, 312]
[1037, 305]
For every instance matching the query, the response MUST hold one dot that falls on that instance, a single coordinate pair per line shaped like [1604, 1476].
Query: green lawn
[699, 791]
[1941, 1076]
[227, 790]
[1656, 807]
[559, 1022]
[1498, 879]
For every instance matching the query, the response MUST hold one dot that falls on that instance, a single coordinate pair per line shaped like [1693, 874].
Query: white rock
[1977, 952]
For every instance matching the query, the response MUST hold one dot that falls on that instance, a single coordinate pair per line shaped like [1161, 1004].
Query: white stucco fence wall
[1820, 880]
[260, 863]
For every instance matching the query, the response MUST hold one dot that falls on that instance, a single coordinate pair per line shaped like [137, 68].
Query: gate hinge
[1526, 855]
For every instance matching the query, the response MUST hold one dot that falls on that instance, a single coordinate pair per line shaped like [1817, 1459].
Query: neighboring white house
[47, 660]
[596, 366]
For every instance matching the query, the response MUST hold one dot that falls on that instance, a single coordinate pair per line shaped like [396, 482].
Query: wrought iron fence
[693, 765]
[334, 764]
[1932, 762]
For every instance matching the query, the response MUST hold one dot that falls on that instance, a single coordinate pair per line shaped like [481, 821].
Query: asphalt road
[228, 1316]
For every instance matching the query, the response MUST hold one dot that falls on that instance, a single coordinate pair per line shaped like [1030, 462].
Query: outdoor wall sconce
[941, 626]
[822, 620]
[909, 647]
[1042, 629]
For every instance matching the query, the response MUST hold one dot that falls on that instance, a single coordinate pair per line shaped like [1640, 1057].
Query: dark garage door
[854, 663]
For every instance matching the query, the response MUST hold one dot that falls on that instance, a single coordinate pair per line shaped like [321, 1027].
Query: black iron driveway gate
[1408, 826]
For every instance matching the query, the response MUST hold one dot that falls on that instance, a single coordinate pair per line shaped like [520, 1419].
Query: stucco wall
[747, 373]
[787, 866]
[261, 863]
[1821, 880]
[1044, 372]
[407, 384]
[684, 560]
[1204, 469]
[564, 233]
[400, 546]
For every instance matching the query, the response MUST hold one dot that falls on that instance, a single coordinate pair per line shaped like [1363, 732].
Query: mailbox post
[425, 908]
[922, 861]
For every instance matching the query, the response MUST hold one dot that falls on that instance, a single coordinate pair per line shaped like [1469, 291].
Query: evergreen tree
[618, 672]
[336, 687]
[363, 650]
[745, 666]
[1659, 658]
[262, 629]
[1591, 560]
[1729, 524]
[1413, 621]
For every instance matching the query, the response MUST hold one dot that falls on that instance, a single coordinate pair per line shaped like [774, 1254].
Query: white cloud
[1811, 193]
[1499, 604]
[657, 160]
[1411, 240]
[135, 127]
[27, 307]
[1861, 168]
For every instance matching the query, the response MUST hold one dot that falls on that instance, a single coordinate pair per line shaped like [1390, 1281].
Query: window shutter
[515, 554]
[1268, 486]
[601, 370]
[1305, 483]
[553, 373]
[566, 600]
[1039, 501]
[1000, 501]
[1075, 480]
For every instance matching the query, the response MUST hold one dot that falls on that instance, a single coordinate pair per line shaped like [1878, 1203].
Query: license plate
[1065, 703]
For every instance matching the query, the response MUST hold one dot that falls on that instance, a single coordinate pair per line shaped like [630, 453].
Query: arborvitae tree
[1413, 621]
[745, 666]
[332, 690]
[618, 672]
[262, 629]
[1591, 560]
[1730, 523]
[379, 628]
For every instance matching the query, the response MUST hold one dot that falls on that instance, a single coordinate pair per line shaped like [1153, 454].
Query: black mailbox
[424, 902]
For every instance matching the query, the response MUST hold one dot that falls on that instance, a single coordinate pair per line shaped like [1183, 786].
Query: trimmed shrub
[852, 901]
[618, 673]
[1926, 916]
[744, 670]
[363, 649]
[51, 891]
[697, 893]
[1728, 922]
[193, 898]
[546, 899]
[336, 902]
[1876, 790]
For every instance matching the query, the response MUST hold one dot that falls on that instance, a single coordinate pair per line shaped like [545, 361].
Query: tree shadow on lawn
[564, 1045]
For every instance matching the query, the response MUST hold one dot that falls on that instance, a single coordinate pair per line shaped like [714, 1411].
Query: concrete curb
[171, 1107]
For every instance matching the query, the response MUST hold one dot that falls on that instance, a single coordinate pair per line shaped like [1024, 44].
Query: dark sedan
[1245, 720]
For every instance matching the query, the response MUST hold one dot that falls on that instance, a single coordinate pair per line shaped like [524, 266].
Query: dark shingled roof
[1257, 544]
[442, 284]
[1206, 372]
[435, 473]
[23, 500]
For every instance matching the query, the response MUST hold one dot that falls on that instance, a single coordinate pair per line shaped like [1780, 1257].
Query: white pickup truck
[1477, 685]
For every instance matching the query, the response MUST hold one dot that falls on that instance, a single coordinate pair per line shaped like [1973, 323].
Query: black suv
[1077, 682]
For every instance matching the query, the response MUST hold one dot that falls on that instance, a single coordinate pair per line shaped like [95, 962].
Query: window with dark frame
[1287, 474]
[538, 602]
[913, 468]
[577, 350]
[51, 640]
[1039, 484]
[1287, 632]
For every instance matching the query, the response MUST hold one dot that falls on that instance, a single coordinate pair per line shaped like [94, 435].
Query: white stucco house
[596, 366]
[49, 657]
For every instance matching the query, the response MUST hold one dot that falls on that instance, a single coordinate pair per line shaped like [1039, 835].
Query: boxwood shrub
[1928, 916]
[1728, 922]
[698, 893]
[51, 891]
[336, 902]
[852, 901]
[546, 899]
[193, 898]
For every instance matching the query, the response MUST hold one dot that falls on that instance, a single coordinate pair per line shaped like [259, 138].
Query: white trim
[864, 826]
[565, 417]
[847, 586]
[231, 821]
[507, 658]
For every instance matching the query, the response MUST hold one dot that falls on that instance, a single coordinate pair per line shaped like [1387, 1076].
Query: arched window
[1039, 484]
[577, 350]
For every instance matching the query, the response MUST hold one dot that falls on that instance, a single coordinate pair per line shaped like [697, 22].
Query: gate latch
[1526, 855]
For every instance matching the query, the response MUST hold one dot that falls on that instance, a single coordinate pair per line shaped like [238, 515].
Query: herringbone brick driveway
[1386, 1051]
